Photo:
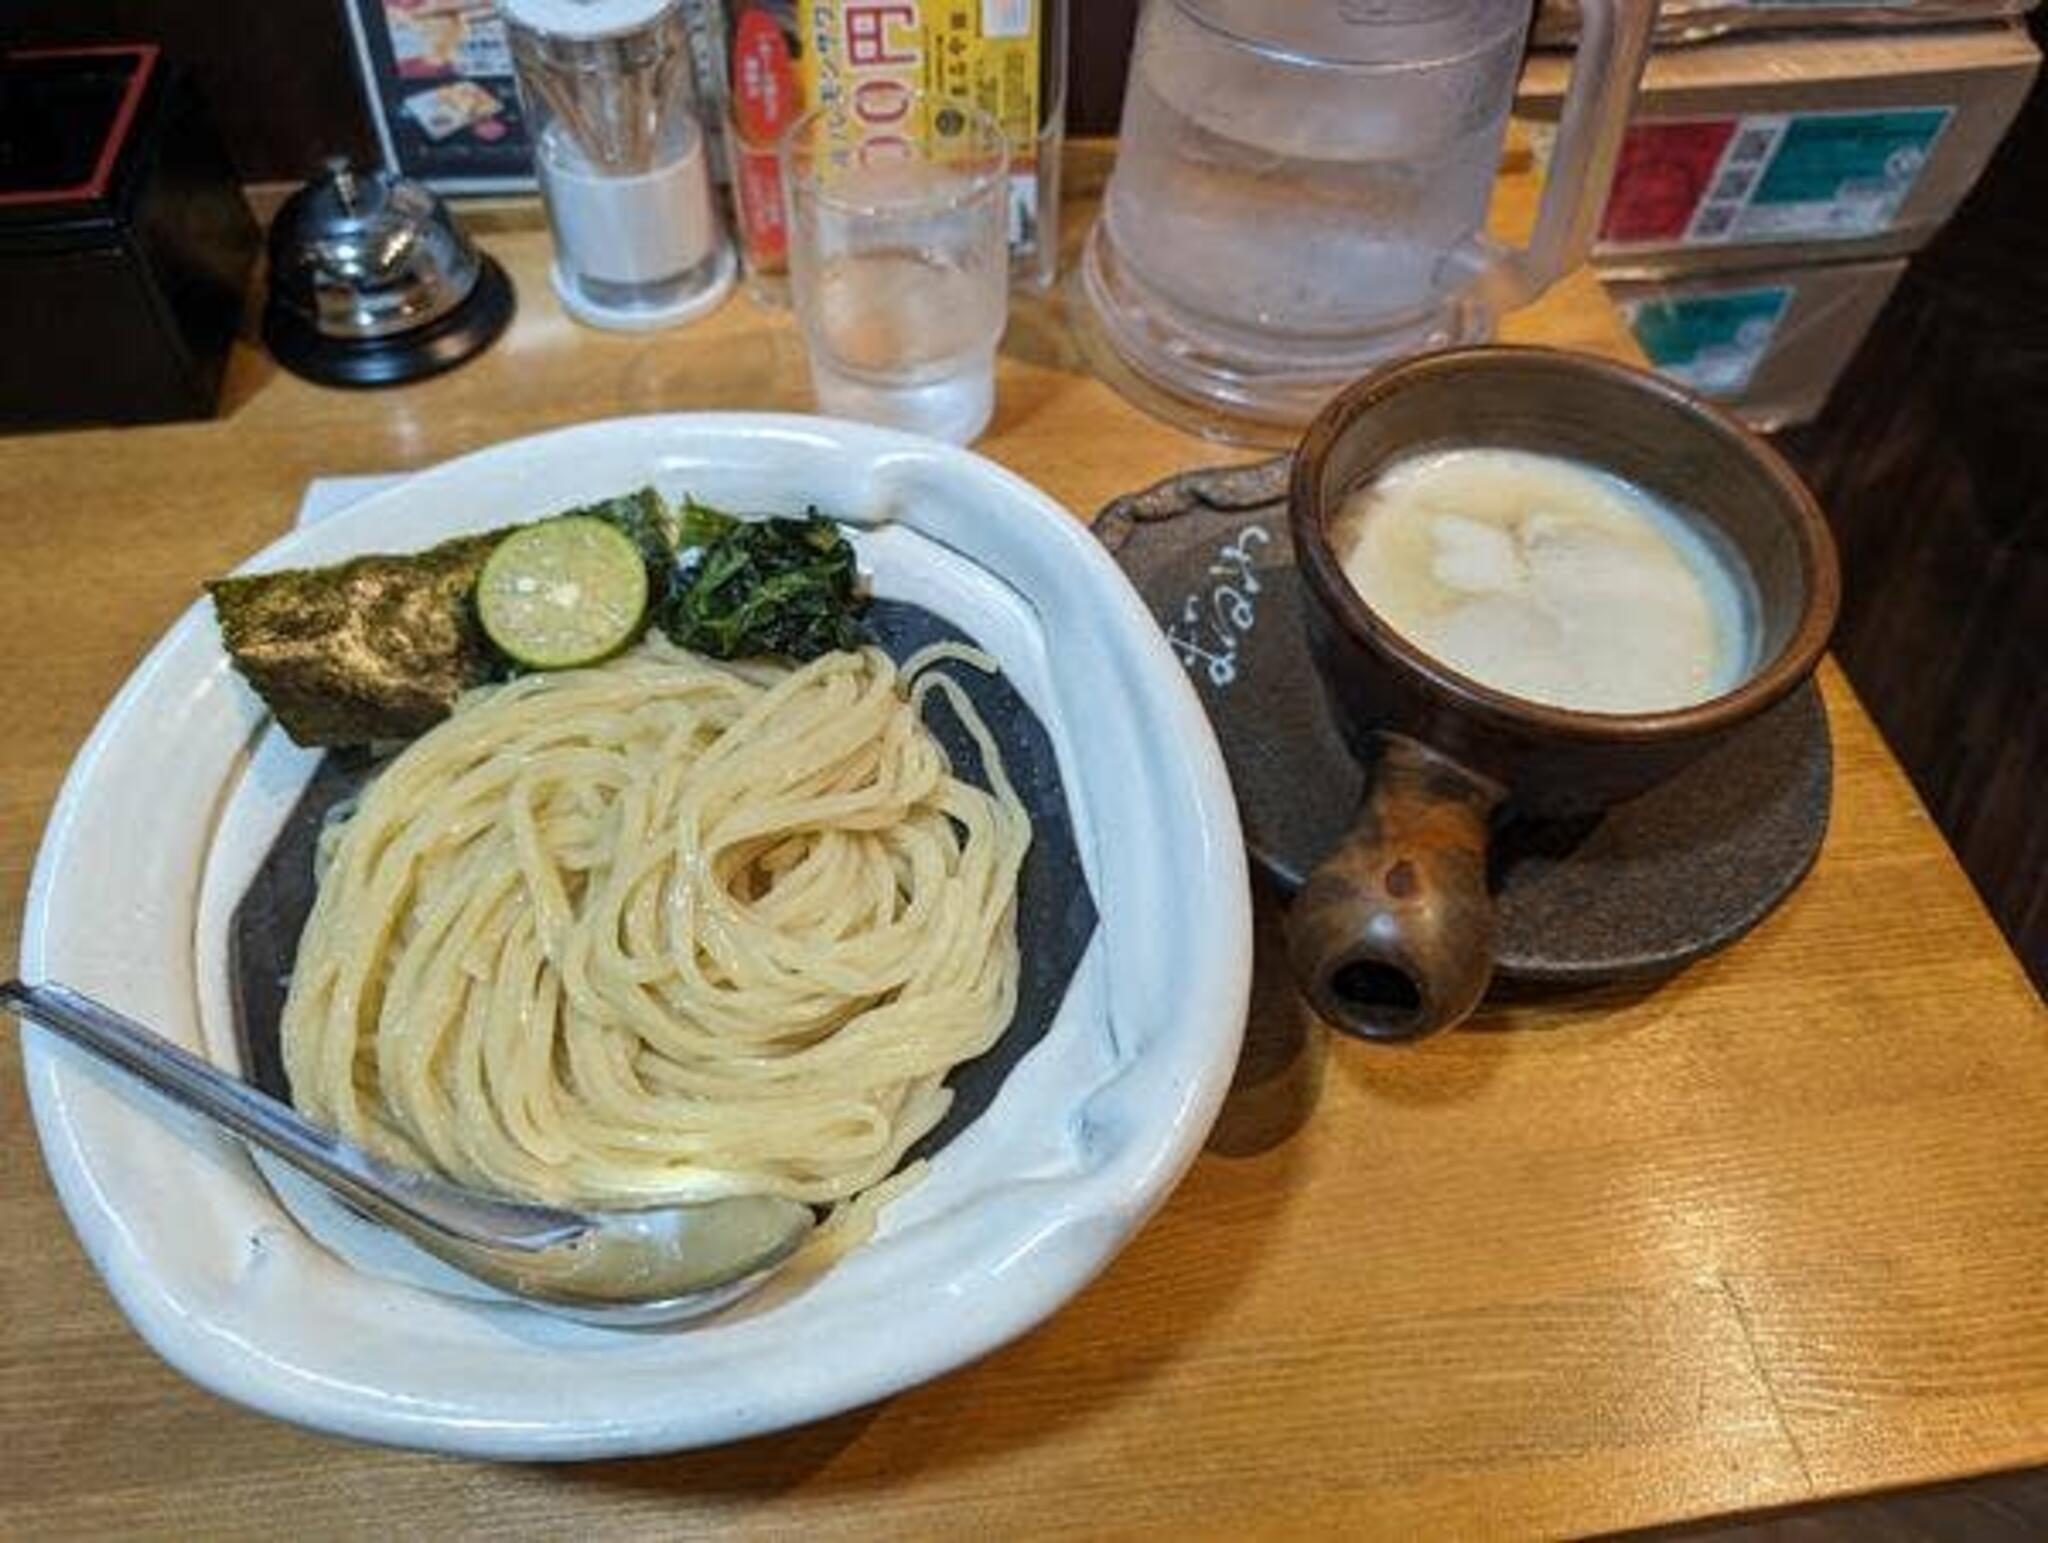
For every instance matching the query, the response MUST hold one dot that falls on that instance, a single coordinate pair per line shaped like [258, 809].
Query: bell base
[404, 356]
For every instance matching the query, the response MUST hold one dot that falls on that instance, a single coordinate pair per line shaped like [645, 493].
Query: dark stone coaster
[1055, 912]
[1634, 893]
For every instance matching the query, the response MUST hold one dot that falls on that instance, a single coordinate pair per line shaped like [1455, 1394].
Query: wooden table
[1774, 1231]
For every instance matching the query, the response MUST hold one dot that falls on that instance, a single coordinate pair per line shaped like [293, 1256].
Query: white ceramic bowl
[183, 784]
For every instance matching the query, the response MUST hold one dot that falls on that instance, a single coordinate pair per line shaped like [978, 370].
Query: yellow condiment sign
[872, 56]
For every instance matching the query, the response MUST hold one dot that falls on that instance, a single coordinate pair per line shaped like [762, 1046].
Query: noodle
[664, 929]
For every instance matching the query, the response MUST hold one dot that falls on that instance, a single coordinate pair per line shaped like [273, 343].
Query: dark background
[1932, 457]
[280, 75]
[1932, 462]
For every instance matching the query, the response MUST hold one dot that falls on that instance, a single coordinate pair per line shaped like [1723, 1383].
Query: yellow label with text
[869, 56]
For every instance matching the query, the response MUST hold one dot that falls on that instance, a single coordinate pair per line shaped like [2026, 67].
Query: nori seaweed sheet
[376, 648]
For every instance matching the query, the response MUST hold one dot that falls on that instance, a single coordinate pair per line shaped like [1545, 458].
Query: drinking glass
[899, 262]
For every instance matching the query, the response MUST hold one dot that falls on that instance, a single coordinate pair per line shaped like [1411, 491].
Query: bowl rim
[1308, 519]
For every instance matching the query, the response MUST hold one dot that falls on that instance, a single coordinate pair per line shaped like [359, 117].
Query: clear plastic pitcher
[1301, 189]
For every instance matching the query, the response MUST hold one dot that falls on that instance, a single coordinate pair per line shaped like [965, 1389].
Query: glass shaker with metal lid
[621, 157]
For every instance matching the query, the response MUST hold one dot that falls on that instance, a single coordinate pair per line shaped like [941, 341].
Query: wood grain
[1771, 1232]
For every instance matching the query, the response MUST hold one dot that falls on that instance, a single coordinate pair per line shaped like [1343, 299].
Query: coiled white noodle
[663, 928]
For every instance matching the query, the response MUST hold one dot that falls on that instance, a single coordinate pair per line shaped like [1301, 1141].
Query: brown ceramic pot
[1392, 937]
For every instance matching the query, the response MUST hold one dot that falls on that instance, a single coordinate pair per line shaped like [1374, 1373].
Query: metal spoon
[618, 1268]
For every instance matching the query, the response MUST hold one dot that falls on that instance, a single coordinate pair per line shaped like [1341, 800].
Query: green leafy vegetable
[772, 586]
[699, 525]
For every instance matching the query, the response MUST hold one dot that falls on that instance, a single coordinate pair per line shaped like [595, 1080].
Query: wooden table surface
[1773, 1231]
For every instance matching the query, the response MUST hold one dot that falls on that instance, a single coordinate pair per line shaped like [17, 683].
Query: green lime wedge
[562, 593]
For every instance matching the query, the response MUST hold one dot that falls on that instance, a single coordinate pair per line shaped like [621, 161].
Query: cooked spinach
[769, 586]
[698, 526]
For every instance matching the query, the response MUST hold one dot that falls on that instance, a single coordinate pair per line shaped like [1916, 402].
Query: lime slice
[564, 592]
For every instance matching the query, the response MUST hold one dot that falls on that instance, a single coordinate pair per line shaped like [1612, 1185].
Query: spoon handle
[408, 1200]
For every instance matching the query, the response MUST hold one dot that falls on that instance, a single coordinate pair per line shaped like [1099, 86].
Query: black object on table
[125, 242]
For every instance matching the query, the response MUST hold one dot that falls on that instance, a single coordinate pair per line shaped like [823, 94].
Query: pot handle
[1392, 937]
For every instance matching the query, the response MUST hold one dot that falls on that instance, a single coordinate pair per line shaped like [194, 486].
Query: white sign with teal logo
[1711, 342]
[1805, 176]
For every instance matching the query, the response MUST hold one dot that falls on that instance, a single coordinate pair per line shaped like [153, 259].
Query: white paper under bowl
[178, 792]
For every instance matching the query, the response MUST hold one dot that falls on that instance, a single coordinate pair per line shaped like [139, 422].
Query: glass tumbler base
[1234, 384]
[955, 407]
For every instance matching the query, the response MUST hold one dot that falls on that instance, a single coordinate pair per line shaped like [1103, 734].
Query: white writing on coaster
[1214, 620]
